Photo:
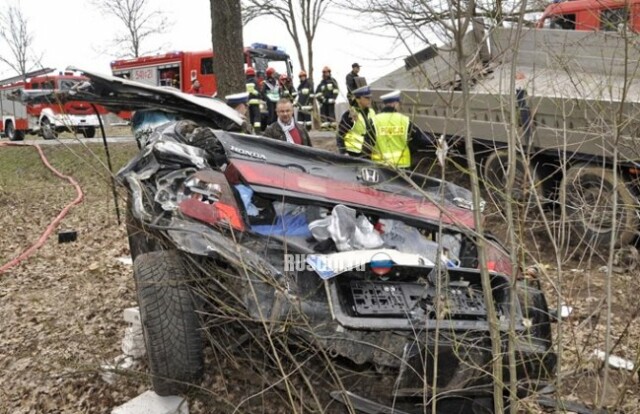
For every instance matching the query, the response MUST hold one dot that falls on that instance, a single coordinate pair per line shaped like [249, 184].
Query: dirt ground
[61, 309]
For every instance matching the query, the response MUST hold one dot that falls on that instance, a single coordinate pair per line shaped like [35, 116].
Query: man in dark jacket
[352, 85]
[286, 128]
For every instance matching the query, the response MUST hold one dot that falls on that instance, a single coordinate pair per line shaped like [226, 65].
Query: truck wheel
[11, 133]
[170, 324]
[48, 131]
[89, 132]
[495, 181]
[588, 192]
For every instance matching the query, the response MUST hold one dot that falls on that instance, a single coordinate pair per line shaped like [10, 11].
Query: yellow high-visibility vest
[391, 147]
[354, 139]
[254, 95]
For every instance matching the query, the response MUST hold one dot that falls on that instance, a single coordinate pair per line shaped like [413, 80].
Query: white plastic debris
[151, 403]
[125, 260]
[109, 372]
[132, 347]
[133, 340]
[615, 361]
[565, 311]
[442, 149]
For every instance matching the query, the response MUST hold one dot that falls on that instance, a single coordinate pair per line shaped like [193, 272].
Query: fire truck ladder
[18, 78]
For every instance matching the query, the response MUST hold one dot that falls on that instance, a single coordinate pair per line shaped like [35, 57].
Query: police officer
[356, 132]
[271, 94]
[396, 137]
[326, 94]
[304, 100]
[254, 99]
[239, 102]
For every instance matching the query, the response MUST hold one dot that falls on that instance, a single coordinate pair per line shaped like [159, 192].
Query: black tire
[175, 347]
[495, 181]
[89, 132]
[47, 130]
[141, 239]
[11, 132]
[588, 194]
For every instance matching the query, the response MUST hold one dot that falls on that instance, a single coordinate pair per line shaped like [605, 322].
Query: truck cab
[592, 15]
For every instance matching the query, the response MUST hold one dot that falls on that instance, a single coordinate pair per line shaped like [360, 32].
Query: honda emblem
[370, 175]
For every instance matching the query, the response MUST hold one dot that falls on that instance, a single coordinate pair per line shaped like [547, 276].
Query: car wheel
[89, 132]
[175, 347]
[588, 194]
[141, 240]
[11, 132]
[48, 131]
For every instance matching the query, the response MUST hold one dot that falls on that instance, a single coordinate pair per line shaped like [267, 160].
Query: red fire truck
[45, 119]
[178, 69]
[607, 15]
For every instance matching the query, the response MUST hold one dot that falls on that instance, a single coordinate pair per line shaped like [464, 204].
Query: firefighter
[271, 94]
[326, 94]
[351, 82]
[356, 132]
[254, 99]
[304, 100]
[240, 102]
[286, 88]
[396, 137]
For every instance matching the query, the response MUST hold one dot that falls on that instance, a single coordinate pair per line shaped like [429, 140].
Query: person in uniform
[254, 99]
[239, 102]
[286, 88]
[304, 100]
[356, 132]
[326, 94]
[396, 137]
[271, 94]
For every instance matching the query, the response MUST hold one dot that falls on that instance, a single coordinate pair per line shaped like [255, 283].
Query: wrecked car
[365, 265]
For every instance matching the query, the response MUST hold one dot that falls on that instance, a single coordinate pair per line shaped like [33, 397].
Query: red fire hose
[51, 227]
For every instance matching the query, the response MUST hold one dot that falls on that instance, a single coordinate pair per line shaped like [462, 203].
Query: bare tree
[15, 33]
[298, 16]
[226, 35]
[139, 20]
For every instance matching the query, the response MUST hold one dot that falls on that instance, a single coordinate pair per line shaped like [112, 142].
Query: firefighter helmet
[270, 72]
[302, 73]
[250, 71]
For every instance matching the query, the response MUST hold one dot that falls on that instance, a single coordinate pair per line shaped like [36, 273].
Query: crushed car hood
[302, 172]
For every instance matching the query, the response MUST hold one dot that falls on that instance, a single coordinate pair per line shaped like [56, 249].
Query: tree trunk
[228, 55]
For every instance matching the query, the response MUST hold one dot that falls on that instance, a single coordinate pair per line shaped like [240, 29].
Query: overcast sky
[71, 32]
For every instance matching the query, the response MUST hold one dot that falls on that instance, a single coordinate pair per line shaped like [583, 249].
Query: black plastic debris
[67, 236]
